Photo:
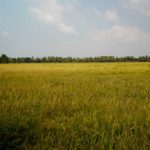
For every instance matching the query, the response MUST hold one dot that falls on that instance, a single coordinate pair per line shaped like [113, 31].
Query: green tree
[4, 59]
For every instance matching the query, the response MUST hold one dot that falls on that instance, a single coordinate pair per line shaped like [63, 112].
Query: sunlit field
[75, 106]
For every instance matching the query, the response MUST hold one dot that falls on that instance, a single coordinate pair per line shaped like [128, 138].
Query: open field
[91, 106]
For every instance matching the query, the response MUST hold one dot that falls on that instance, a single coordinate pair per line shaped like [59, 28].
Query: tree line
[50, 59]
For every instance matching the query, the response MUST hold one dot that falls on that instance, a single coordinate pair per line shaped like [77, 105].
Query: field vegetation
[75, 106]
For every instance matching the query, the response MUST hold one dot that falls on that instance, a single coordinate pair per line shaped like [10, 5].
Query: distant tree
[51, 59]
[4, 58]
[13, 60]
[38, 60]
[144, 58]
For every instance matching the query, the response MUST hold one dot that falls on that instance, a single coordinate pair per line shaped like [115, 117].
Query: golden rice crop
[76, 106]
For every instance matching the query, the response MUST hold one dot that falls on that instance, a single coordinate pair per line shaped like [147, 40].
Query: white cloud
[65, 28]
[141, 5]
[110, 15]
[119, 38]
[117, 41]
[52, 12]
[5, 33]
[120, 33]
[43, 16]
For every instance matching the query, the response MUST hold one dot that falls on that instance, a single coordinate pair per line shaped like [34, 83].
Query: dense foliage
[6, 59]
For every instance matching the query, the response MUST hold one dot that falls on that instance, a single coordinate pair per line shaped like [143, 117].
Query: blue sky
[77, 28]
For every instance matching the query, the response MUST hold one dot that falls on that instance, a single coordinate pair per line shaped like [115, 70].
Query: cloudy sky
[75, 28]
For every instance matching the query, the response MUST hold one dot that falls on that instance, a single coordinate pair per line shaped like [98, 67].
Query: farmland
[77, 106]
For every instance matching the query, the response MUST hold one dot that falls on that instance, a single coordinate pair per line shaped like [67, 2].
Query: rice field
[75, 106]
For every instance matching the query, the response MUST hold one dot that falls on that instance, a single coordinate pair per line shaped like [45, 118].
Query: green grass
[91, 106]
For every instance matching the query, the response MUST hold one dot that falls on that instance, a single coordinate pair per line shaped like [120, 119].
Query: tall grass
[75, 106]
